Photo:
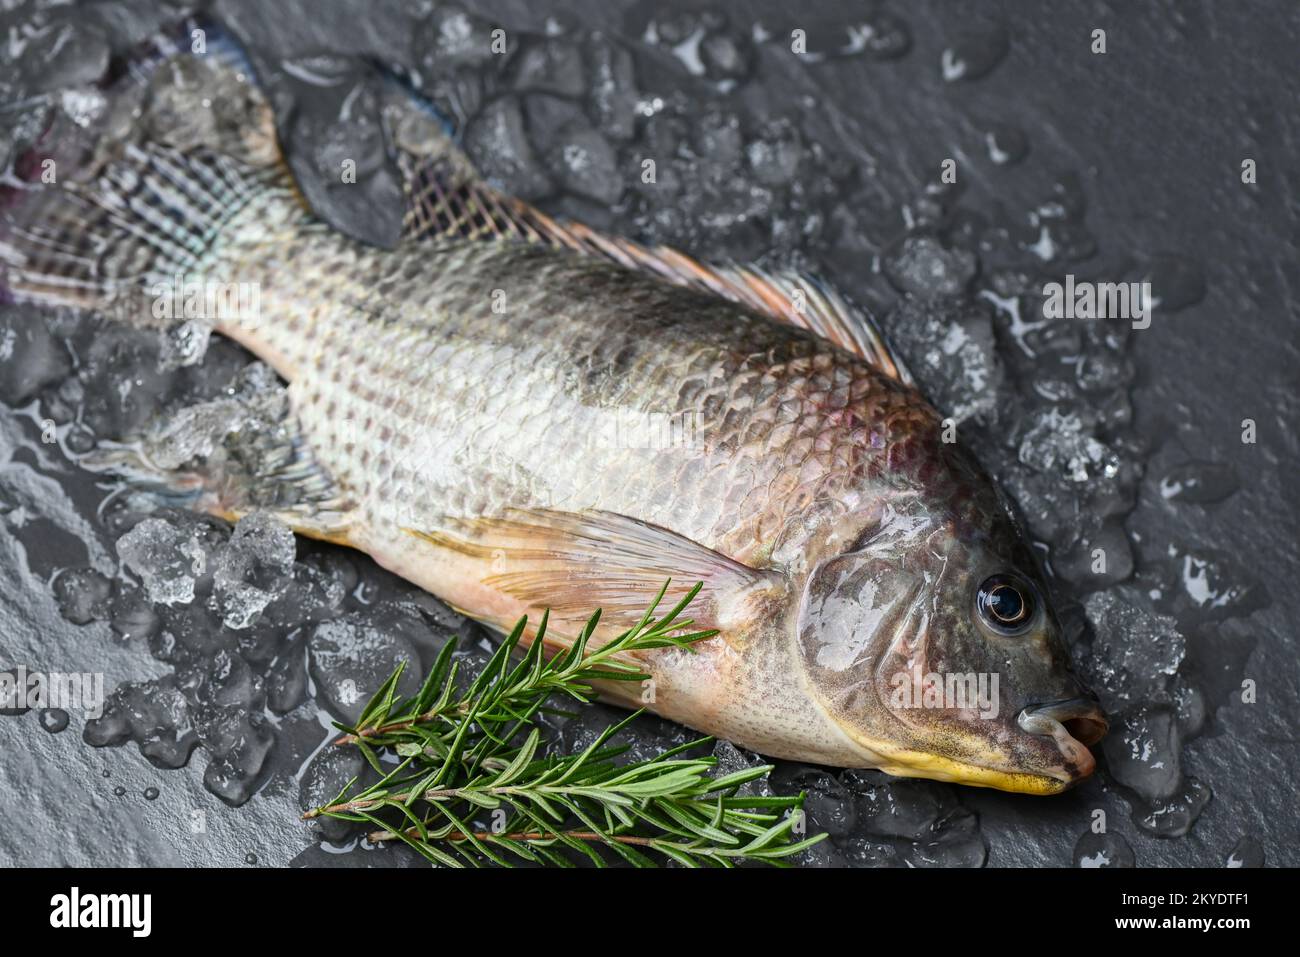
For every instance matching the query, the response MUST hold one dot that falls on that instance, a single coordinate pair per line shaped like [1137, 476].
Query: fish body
[431, 409]
[543, 418]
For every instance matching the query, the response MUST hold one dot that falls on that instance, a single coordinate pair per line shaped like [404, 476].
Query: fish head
[931, 643]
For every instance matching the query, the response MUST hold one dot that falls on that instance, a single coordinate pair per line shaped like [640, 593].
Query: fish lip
[1081, 717]
[1074, 724]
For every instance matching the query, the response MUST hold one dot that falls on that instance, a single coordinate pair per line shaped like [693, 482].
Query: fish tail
[104, 243]
[93, 222]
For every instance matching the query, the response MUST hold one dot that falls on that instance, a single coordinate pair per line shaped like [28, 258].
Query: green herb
[466, 755]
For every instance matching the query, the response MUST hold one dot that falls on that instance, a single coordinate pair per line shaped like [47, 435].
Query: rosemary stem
[633, 839]
[396, 726]
[365, 804]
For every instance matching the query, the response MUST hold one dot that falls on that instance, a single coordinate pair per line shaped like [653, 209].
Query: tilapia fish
[520, 414]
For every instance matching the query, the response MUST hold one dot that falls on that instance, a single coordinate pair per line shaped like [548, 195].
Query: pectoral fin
[575, 563]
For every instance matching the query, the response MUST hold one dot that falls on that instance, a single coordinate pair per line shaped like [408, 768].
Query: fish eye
[1006, 603]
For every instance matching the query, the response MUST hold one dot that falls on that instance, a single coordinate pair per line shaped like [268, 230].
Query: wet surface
[1167, 520]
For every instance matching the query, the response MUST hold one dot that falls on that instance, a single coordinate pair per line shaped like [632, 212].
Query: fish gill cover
[940, 168]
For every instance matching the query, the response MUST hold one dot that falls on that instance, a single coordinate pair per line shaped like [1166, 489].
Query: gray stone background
[1122, 165]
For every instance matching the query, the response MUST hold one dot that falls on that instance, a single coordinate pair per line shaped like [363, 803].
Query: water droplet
[974, 54]
[1006, 144]
[119, 791]
[881, 37]
[1175, 816]
[54, 720]
[1200, 483]
[151, 794]
[1216, 584]
[250, 858]
[1246, 853]
[1103, 850]
[1176, 283]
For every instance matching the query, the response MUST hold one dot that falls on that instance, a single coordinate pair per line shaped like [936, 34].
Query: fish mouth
[1074, 725]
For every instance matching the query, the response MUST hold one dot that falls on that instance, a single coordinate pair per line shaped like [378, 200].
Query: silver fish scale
[588, 386]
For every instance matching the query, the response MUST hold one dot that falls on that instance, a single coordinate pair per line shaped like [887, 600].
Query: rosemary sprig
[477, 752]
[569, 673]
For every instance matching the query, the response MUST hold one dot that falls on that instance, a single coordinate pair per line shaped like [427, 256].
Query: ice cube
[920, 265]
[1058, 442]
[731, 759]
[255, 566]
[165, 558]
[352, 656]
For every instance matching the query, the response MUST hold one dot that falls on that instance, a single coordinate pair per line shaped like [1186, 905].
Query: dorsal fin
[445, 200]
